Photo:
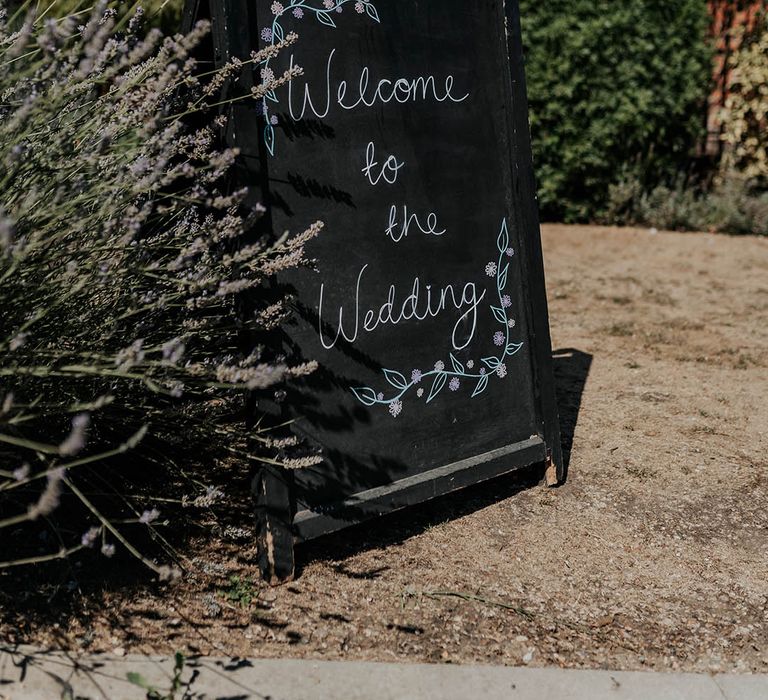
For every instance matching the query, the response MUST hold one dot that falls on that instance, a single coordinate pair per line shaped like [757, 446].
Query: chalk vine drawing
[458, 372]
[322, 11]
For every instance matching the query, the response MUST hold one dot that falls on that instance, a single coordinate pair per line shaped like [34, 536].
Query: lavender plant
[124, 259]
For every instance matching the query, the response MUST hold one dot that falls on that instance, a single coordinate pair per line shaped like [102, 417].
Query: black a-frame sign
[407, 135]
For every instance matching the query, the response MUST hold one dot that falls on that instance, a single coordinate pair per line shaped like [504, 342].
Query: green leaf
[269, 139]
[499, 314]
[371, 10]
[396, 379]
[502, 279]
[502, 242]
[437, 385]
[482, 385]
[365, 395]
[138, 680]
[326, 19]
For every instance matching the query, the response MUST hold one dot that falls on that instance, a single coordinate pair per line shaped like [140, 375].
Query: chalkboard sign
[407, 135]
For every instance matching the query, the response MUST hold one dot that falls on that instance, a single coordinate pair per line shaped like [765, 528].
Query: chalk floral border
[274, 34]
[452, 378]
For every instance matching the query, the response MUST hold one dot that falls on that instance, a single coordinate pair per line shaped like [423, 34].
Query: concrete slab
[743, 687]
[27, 675]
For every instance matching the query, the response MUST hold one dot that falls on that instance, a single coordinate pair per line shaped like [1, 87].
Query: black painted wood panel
[407, 136]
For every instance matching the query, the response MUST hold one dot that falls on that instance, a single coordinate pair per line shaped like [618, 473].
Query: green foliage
[240, 591]
[612, 86]
[154, 693]
[730, 207]
[745, 117]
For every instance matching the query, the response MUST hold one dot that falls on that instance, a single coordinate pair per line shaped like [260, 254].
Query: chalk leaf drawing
[457, 374]
[322, 11]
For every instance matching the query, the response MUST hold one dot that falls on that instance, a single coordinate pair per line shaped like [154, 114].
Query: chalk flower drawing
[275, 34]
[442, 377]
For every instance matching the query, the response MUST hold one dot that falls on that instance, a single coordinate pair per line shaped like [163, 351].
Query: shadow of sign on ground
[571, 367]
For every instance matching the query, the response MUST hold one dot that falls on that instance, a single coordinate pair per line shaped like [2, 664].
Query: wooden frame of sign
[407, 134]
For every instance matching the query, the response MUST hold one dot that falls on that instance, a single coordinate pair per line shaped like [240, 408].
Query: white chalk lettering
[408, 219]
[401, 90]
[422, 302]
[388, 171]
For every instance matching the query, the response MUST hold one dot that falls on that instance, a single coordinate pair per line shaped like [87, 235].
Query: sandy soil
[653, 555]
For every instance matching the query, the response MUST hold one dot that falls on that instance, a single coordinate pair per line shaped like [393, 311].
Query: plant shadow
[58, 582]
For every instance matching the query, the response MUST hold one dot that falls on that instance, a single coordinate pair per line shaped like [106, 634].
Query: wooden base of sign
[272, 495]
[552, 474]
[411, 491]
[280, 526]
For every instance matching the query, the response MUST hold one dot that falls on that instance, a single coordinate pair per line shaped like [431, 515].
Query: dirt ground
[653, 555]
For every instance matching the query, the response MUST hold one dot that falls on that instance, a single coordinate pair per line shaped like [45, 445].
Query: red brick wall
[729, 19]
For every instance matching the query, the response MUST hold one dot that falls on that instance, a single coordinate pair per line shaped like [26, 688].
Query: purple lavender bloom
[75, 441]
[453, 385]
[21, 473]
[149, 516]
[89, 538]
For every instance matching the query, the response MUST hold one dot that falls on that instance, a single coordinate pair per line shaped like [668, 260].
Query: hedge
[617, 91]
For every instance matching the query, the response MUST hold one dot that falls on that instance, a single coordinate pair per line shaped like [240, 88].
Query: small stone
[118, 651]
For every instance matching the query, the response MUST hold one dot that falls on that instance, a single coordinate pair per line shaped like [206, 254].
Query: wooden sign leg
[552, 473]
[271, 490]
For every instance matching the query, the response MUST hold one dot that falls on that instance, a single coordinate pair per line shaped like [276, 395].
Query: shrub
[612, 86]
[745, 117]
[733, 206]
[123, 265]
